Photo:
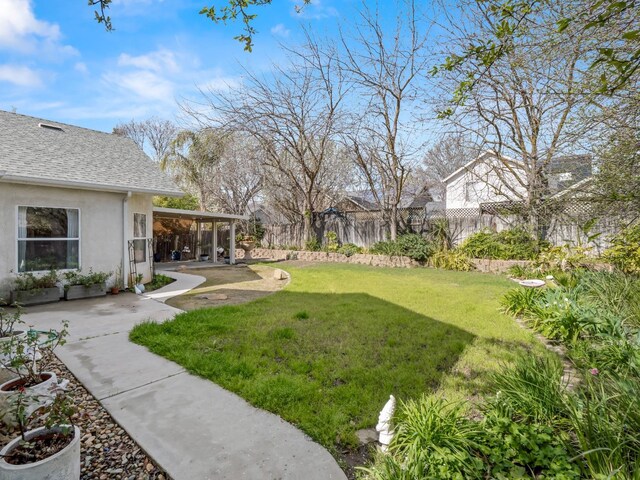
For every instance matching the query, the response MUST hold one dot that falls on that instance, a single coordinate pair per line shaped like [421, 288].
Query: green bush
[29, 281]
[605, 419]
[624, 252]
[92, 278]
[332, 244]
[349, 249]
[409, 245]
[452, 260]
[531, 390]
[511, 244]
[312, 245]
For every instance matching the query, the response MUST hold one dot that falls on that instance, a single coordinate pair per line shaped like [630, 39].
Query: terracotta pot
[64, 465]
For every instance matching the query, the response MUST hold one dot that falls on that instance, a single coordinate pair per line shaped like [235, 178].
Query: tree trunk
[393, 223]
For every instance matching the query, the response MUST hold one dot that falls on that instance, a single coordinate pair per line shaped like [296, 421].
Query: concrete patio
[191, 427]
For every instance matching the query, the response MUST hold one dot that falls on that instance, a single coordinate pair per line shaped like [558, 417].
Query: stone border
[358, 258]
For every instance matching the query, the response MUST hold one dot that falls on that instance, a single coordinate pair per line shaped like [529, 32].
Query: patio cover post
[232, 243]
[214, 241]
[198, 239]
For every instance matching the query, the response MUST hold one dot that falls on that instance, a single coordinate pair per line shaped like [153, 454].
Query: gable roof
[467, 166]
[43, 152]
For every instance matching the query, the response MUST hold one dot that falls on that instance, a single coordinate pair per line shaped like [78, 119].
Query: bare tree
[238, 176]
[293, 114]
[524, 107]
[450, 152]
[387, 70]
[153, 134]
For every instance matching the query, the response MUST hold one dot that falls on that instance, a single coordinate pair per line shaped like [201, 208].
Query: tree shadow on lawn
[325, 362]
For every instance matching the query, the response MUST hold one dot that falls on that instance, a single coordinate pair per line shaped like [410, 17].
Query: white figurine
[384, 423]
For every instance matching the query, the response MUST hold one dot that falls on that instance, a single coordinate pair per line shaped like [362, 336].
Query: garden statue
[384, 423]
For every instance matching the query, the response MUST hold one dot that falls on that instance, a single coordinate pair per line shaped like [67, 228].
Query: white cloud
[19, 75]
[160, 61]
[144, 84]
[280, 31]
[20, 29]
[81, 67]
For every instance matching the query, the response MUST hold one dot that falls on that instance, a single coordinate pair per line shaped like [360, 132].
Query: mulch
[107, 452]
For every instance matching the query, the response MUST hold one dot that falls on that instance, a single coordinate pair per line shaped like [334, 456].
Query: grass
[326, 352]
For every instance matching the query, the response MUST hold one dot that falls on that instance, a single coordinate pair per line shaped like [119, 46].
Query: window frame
[145, 238]
[18, 239]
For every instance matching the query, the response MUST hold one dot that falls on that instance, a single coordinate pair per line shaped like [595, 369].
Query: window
[470, 194]
[140, 237]
[48, 238]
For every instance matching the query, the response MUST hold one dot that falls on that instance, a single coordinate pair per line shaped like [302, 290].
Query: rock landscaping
[107, 452]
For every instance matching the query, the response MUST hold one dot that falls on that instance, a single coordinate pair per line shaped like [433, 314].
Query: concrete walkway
[191, 427]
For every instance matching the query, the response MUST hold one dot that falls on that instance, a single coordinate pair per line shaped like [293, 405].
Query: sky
[58, 63]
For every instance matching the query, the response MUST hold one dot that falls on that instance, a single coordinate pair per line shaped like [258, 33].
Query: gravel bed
[107, 452]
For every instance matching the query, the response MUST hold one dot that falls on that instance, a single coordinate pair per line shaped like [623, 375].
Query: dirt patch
[229, 286]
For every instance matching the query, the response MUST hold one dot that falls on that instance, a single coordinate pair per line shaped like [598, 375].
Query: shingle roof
[75, 157]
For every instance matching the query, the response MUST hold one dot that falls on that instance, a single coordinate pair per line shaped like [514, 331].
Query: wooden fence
[366, 228]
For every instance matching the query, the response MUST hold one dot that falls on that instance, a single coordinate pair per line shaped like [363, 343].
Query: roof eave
[49, 182]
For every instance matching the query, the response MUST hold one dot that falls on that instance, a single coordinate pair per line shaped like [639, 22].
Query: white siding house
[483, 179]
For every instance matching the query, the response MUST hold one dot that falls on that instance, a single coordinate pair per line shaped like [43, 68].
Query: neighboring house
[485, 179]
[354, 203]
[74, 198]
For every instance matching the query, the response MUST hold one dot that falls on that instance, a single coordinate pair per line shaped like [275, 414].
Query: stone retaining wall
[497, 266]
[361, 259]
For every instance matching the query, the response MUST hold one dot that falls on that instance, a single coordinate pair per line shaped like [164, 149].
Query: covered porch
[194, 234]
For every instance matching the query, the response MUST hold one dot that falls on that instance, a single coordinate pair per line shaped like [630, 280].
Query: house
[73, 198]
[487, 179]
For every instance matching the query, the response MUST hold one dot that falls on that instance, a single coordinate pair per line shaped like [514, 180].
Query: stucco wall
[485, 180]
[101, 236]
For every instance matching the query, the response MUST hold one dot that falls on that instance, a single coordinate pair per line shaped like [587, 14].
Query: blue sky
[56, 62]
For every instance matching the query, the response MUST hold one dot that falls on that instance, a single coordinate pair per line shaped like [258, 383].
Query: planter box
[35, 297]
[75, 292]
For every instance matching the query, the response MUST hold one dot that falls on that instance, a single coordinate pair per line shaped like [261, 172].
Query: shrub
[605, 418]
[532, 390]
[410, 245]
[433, 439]
[415, 247]
[389, 248]
[332, 244]
[515, 449]
[91, 278]
[29, 281]
[312, 245]
[519, 301]
[452, 260]
[349, 249]
[624, 252]
[511, 244]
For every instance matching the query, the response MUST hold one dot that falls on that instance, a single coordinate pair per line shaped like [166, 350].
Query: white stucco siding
[141, 204]
[101, 225]
[481, 183]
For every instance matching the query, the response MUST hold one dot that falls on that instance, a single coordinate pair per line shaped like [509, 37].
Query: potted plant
[29, 358]
[51, 451]
[246, 243]
[35, 290]
[139, 286]
[118, 281]
[78, 285]
[8, 322]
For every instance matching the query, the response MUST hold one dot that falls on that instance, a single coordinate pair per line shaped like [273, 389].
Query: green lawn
[327, 351]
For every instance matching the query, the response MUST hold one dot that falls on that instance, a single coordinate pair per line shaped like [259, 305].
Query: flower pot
[36, 396]
[35, 297]
[64, 465]
[247, 246]
[75, 292]
[204, 258]
[115, 290]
